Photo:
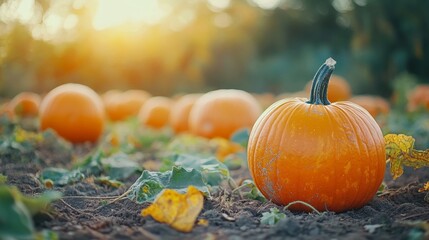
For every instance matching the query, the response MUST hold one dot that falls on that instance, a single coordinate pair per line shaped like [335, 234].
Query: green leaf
[3, 179]
[181, 178]
[92, 165]
[272, 217]
[254, 192]
[119, 166]
[241, 137]
[16, 211]
[39, 203]
[212, 170]
[150, 184]
[61, 176]
[15, 219]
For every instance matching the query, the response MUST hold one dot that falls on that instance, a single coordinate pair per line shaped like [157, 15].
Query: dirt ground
[400, 212]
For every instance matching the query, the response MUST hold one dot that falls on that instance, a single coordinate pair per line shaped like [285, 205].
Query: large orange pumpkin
[179, 118]
[155, 113]
[331, 156]
[222, 112]
[339, 89]
[25, 104]
[74, 111]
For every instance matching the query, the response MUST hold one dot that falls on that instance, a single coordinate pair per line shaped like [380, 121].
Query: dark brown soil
[400, 212]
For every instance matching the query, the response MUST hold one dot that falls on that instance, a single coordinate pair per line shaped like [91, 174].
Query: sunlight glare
[22, 11]
[267, 4]
[112, 13]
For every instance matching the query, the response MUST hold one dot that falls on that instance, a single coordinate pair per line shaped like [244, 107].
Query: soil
[400, 212]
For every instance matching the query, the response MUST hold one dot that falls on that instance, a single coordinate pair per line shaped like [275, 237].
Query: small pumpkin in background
[265, 99]
[74, 111]
[339, 89]
[155, 113]
[222, 112]
[25, 104]
[122, 105]
[179, 118]
[329, 155]
[419, 97]
[375, 105]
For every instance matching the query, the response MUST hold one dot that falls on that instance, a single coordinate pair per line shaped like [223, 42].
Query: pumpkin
[179, 118]
[419, 97]
[155, 113]
[25, 104]
[329, 155]
[222, 112]
[74, 111]
[122, 105]
[375, 105]
[339, 89]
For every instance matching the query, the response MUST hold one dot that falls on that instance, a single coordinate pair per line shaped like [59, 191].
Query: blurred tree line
[198, 46]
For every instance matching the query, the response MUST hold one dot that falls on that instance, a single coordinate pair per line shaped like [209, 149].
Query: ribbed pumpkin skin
[330, 156]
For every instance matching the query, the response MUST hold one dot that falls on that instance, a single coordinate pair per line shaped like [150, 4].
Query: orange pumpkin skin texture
[179, 118]
[74, 111]
[339, 89]
[222, 112]
[155, 113]
[331, 156]
[25, 104]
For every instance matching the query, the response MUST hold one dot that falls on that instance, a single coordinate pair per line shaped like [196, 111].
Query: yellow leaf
[203, 222]
[425, 187]
[224, 147]
[175, 209]
[400, 151]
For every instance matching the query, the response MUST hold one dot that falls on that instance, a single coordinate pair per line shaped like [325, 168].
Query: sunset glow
[112, 13]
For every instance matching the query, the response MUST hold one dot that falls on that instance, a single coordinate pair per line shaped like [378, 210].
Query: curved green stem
[319, 87]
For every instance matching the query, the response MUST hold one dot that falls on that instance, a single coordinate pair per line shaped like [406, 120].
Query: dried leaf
[425, 187]
[400, 151]
[175, 209]
[371, 228]
[150, 184]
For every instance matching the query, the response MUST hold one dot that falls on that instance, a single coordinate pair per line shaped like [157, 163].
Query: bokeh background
[169, 46]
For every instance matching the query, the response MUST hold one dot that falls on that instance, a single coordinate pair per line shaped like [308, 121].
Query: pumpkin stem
[319, 87]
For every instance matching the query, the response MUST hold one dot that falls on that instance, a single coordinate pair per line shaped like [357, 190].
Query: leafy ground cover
[99, 191]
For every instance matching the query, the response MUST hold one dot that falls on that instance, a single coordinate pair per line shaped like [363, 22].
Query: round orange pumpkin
[122, 105]
[179, 118]
[74, 111]
[155, 113]
[222, 112]
[339, 89]
[330, 156]
[419, 97]
[25, 104]
[375, 105]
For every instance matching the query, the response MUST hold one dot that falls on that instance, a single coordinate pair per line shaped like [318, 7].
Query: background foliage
[198, 45]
